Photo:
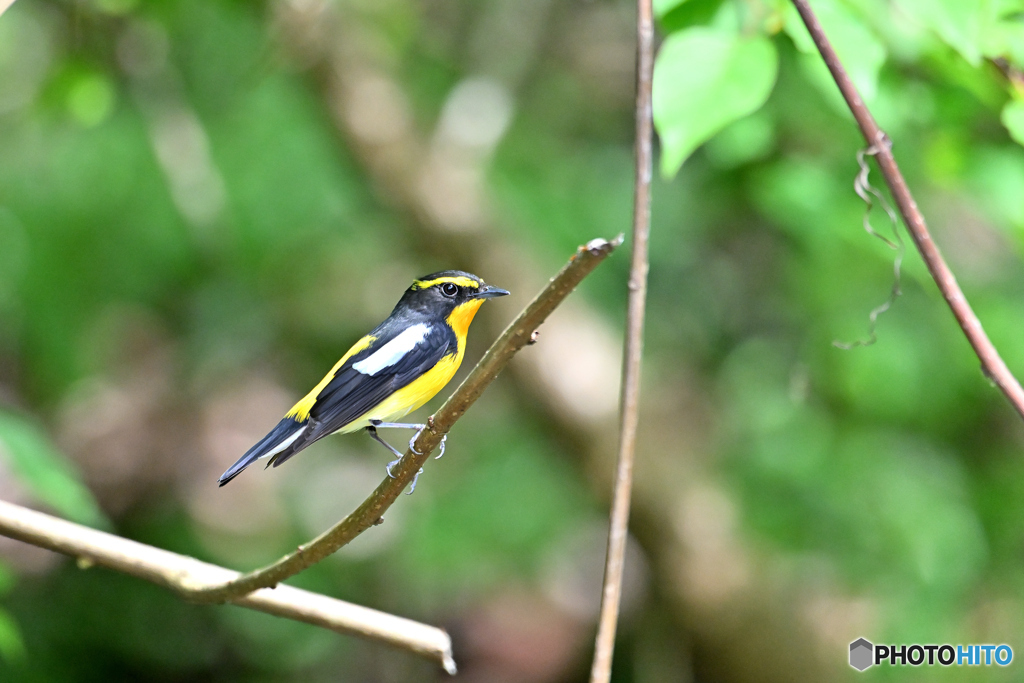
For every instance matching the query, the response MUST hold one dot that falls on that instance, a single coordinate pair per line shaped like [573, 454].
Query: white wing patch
[393, 351]
[283, 445]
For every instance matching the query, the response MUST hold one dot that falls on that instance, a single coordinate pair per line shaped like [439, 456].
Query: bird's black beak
[489, 292]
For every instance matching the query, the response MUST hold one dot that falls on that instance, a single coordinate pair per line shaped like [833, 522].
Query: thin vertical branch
[991, 362]
[611, 595]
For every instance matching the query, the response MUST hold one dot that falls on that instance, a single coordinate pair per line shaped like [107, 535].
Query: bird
[387, 374]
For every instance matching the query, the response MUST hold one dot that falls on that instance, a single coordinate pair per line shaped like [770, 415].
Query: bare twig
[516, 336]
[601, 670]
[991, 362]
[181, 573]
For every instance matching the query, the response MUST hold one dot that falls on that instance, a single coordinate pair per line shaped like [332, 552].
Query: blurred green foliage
[49, 477]
[878, 458]
[191, 233]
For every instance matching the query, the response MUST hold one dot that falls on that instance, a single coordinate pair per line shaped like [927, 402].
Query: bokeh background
[203, 203]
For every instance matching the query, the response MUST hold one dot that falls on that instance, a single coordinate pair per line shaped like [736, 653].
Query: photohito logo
[864, 654]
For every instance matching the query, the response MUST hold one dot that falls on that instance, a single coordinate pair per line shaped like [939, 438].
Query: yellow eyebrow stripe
[300, 411]
[459, 280]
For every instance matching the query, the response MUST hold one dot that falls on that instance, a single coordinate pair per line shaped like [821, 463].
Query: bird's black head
[440, 294]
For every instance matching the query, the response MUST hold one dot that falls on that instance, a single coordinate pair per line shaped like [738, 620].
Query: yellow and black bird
[387, 374]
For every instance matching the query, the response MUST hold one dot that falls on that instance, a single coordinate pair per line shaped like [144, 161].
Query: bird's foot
[414, 480]
[412, 443]
[390, 465]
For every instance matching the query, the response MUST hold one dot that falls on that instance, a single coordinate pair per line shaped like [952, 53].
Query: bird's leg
[408, 425]
[376, 437]
[397, 425]
[372, 431]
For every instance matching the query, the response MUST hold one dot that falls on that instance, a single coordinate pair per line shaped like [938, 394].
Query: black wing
[351, 394]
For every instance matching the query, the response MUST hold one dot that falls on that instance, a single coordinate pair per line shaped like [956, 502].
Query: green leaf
[663, 7]
[1002, 35]
[860, 51]
[46, 473]
[705, 79]
[676, 16]
[958, 23]
[746, 140]
[1013, 119]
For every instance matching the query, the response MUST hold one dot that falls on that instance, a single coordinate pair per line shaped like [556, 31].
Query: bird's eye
[449, 289]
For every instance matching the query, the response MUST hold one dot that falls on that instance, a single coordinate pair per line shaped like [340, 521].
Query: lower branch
[516, 336]
[182, 574]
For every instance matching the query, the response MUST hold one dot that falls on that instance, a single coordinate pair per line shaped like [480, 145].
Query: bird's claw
[390, 465]
[412, 441]
[412, 447]
[414, 480]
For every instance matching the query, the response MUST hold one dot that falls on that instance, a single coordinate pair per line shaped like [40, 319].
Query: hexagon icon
[861, 652]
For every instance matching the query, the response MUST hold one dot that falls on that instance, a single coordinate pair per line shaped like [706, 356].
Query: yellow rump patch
[459, 280]
[460, 318]
[300, 411]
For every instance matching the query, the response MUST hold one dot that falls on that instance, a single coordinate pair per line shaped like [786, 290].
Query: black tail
[282, 442]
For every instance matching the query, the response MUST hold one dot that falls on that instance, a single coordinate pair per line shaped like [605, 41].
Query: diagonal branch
[174, 571]
[516, 336]
[201, 582]
[991, 362]
[601, 670]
